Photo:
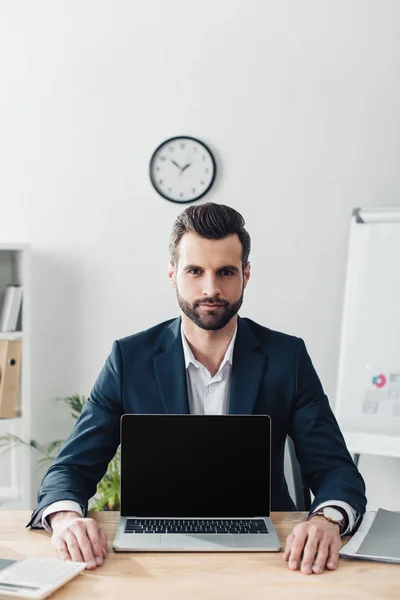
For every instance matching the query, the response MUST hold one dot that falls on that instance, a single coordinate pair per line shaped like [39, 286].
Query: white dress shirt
[207, 395]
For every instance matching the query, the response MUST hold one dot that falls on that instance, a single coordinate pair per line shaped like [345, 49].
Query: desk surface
[205, 576]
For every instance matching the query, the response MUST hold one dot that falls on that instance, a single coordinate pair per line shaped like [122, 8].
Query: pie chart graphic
[379, 380]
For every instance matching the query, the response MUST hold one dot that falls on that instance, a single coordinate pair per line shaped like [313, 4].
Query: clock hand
[176, 164]
[185, 167]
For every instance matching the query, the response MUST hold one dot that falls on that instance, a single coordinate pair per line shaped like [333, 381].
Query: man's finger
[73, 547]
[79, 529]
[61, 548]
[333, 557]
[296, 550]
[288, 546]
[310, 549]
[321, 558]
[104, 541]
[93, 533]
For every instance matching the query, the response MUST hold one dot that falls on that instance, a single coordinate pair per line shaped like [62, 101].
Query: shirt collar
[190, 359]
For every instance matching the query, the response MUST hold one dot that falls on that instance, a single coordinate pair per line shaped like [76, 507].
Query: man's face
[209, 279]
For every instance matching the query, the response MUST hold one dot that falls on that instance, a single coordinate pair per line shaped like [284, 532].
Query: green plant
[107, 495]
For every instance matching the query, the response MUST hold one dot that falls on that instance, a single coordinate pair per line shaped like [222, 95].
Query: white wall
[299, 100]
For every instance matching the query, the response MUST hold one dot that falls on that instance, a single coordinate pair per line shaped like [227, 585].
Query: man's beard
[213, 319]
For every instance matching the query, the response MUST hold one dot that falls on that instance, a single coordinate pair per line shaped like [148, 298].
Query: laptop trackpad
[251, 540]
[199, 541]
[142, 541]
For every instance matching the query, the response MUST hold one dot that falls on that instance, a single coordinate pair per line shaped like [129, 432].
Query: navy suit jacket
[272, 374]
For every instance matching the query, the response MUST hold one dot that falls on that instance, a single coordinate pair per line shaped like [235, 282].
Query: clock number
[160, 182]
[182, 145]
[162, 158]
[181, 194]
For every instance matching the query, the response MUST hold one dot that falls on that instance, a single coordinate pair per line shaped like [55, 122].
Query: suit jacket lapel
[247, 370]
[169, 367]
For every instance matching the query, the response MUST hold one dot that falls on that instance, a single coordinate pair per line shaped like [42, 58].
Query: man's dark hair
[211, 221]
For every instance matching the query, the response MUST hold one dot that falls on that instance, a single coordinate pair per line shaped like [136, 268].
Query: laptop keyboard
[195, 526]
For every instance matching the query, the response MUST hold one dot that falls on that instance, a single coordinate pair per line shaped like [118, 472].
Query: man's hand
[78, 538]
[312, 545]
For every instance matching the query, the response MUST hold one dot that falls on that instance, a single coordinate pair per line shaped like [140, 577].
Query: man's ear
[246, 274]
[172, 273]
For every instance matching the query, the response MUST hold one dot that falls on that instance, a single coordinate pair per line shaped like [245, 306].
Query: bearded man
[209, 361]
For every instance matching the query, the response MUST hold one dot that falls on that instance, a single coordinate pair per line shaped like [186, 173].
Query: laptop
[195, 483]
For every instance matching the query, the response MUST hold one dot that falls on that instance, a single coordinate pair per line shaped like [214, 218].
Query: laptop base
[178, 542]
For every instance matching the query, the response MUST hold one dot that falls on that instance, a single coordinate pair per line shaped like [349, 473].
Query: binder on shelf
[11, 308]
[6, 308]
[12, 326]
[10, 372]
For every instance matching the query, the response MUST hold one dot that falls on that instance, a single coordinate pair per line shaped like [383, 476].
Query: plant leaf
[108, 493]
[75, 403]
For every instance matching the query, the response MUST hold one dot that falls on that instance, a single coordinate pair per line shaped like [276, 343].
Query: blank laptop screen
[195, 466]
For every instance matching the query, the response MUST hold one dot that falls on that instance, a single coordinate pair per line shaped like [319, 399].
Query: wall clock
[182, 169]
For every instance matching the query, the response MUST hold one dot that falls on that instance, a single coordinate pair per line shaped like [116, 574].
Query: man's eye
[227, 273]
[194, 271]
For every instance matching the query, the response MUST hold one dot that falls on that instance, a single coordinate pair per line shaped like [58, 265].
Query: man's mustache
[218, 301]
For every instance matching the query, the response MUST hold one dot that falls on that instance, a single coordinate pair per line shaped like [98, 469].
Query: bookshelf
[11, 335]
[15, 465]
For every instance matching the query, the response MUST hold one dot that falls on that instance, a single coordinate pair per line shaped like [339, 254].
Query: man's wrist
[61, 516]
[321, 519]
[339, 516]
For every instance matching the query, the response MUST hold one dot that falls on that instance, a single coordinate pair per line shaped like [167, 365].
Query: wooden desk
[205, 576]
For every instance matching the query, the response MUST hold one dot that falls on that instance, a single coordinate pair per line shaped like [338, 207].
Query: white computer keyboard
[36, 578]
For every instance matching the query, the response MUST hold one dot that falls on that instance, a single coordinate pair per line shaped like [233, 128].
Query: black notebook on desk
[378, 538]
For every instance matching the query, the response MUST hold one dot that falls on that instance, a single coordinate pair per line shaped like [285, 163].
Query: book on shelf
[11, 308]
[10, 374]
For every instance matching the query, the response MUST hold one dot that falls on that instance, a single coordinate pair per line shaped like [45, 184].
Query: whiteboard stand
[370, 443]
[367, 403]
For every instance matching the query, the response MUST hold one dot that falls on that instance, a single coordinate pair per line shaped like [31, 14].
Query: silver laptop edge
[186, 542]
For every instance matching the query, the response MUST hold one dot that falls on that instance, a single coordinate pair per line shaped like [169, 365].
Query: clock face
[182, 169]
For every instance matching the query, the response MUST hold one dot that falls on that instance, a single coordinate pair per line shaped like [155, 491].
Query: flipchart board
[368, 391]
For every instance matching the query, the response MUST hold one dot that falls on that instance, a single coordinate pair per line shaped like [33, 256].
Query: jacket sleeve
[83, 460]
[326, 465]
